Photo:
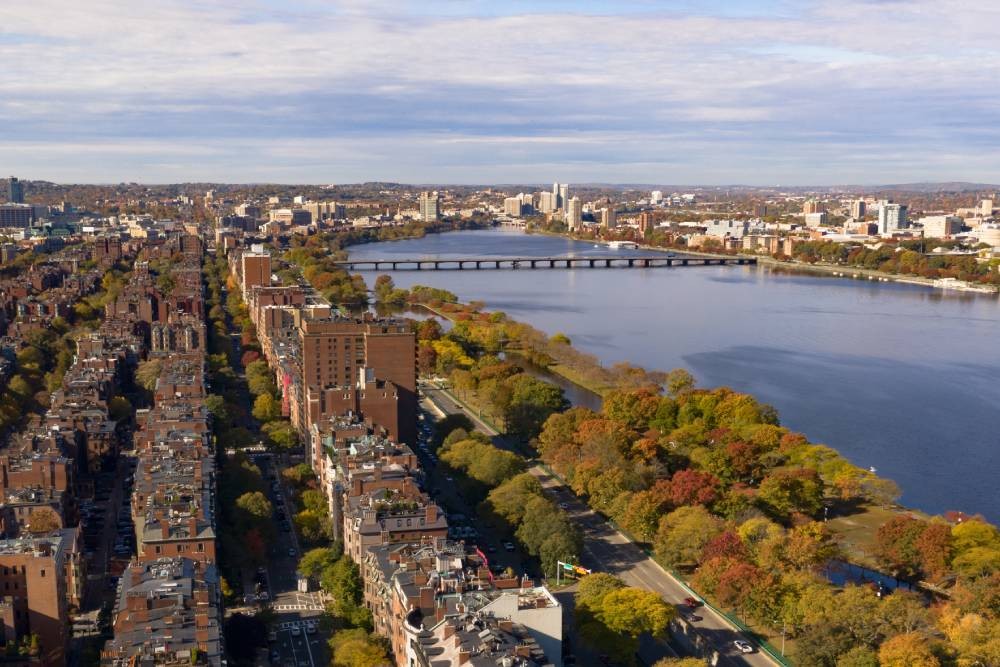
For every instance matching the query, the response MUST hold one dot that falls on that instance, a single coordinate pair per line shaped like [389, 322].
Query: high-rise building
[858, 209]
[353, 365]
[574, 213]
[656, 197]
[255, 269]
[985, 208]
[891, 217]
[16, 215]
[563, 196]
[15, 191]
[645, 222]
[547, 202]
[813, 206]
[512, 206]
[430, 206]
[609, 219]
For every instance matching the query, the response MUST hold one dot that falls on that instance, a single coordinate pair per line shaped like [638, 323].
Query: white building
[891, 217]
[724, 228]
[940, 226]
[429, 206]
[574, 213]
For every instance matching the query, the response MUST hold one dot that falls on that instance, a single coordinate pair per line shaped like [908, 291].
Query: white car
[742, 646]
[296, 631]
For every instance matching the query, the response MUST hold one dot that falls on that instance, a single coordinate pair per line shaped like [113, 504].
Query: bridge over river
[480, 263]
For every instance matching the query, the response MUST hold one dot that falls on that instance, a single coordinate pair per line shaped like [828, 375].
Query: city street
[607, 550]
[298, 638]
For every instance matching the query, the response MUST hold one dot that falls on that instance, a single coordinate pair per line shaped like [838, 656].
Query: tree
[120, 409]
[859, 656]
[907, 650]
[679, 381]
[281, 434]
[790, 490]
[634, 611]
[691, 487]
[44, 520]
[681, 662]
[683, 534]
[148, 373]
[243, 635]
[216, 406]
[265, 408]
[594, 587]
[509, 500]
[316, 561]
[256, 505]
[358, 648]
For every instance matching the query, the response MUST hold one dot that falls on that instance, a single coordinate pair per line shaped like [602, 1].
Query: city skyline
[758, 92]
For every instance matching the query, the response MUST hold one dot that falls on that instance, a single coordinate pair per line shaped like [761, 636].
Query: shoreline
[833, 270]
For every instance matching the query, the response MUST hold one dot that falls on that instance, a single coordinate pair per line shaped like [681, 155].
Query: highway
[607, 550]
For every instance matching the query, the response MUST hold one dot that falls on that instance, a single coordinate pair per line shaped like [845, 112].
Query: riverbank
[816, 269]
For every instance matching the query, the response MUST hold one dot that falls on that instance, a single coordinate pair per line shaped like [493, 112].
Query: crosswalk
[298, 607]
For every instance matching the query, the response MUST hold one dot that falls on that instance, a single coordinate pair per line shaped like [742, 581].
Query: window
[201, 546]
[157, 549]
[41, 573]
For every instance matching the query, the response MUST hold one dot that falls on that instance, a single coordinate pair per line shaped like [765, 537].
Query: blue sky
[759, 92]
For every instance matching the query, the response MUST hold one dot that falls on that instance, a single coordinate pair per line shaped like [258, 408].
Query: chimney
[449, 630]
[431, 513]
[193, 525]
[426, 597]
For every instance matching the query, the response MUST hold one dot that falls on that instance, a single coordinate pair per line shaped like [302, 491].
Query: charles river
[899, 377]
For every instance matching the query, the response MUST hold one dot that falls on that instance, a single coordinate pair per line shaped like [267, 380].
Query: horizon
[757, 92]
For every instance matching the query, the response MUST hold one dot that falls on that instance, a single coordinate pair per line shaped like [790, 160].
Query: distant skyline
[755, 92]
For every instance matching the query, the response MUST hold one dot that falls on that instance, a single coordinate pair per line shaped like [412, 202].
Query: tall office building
[646, 222]
[255, 269]
[858, 209]
[512, 206]
[891, 217]
[609, 219]
[574, 213]
[563, 196]
[813, 206]
[656, 197]
[15, 191]
[430, 206]
[547, 202]
[555, 197]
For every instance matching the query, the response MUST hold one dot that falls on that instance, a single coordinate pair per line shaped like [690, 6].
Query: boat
[623, 245]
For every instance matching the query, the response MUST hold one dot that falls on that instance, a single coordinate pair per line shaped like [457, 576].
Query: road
[294, 645]
[607, 550]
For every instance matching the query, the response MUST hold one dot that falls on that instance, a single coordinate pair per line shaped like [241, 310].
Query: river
[900, 377]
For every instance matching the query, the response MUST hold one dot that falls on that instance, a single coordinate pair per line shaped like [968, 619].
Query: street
[297, 637]
[607, 550]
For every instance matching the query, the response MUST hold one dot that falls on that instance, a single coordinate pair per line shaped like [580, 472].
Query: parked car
[311, 628]
[296, 631]
[742, 646]
[508, 546]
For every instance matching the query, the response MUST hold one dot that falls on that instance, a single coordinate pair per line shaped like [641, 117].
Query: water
[900, 377]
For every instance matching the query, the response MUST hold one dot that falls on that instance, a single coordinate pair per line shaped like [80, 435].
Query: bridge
[479, 263]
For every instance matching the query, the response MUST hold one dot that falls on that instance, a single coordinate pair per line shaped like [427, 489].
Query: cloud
[747, 91]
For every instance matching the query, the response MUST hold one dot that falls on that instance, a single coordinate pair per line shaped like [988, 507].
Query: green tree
[120, 409]
[635, 611]
[683, 534]
[358, 648]
[265, 408]
[148, 373]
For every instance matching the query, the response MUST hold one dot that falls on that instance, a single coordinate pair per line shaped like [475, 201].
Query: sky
[757, 92]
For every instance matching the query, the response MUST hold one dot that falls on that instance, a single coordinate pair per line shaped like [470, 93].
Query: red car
[691, 602]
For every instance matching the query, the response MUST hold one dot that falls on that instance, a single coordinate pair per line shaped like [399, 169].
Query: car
[564, 506]
[491, 549]
[691, 602]
[742, 646]
[693, 618]
[272, 636]
[292, 552]
[249, 599]
[311, 628]
[275, 655]
[296, 631]
[508, 546]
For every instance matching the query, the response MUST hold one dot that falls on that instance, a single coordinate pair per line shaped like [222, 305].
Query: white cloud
[135, 78]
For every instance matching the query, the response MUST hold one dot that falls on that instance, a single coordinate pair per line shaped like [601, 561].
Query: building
[352, 365]
[891, 217]
[727, 228]
[656, 197]
[255, 268]
[547, 202]
[512, 206]
[574, 213]
[290, 216]
[19, 216]
[167, 612]
[34, 597]
[813, 206]
[985, 208]
[609, 219]
[940, 226]
[15, 191]
[430, 206]
[858, 209]
[816, 219]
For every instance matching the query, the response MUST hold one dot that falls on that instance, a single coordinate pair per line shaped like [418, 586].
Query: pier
[513, 263]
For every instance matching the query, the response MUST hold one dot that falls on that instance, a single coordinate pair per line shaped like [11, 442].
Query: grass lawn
[856, 531]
